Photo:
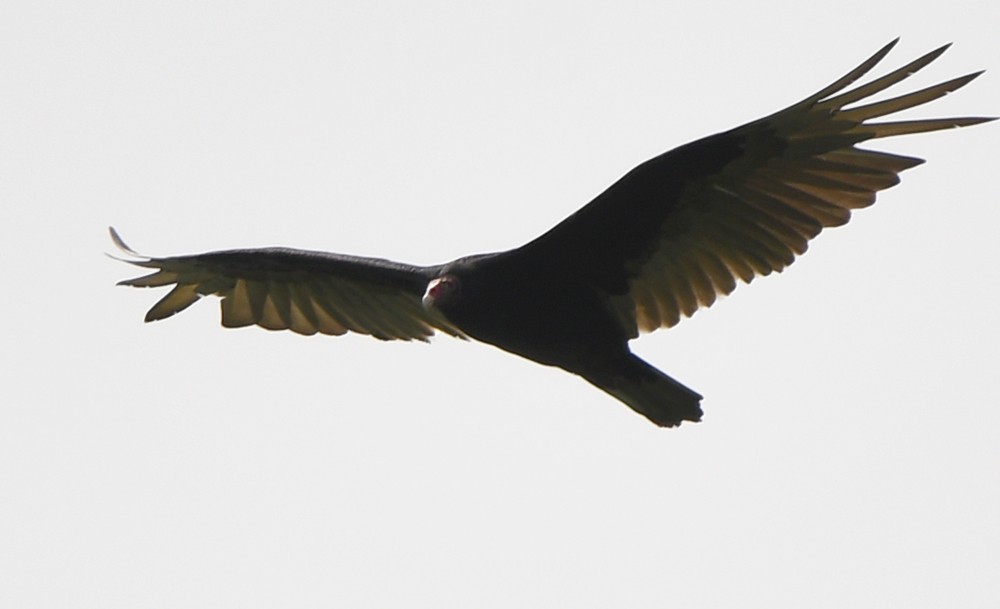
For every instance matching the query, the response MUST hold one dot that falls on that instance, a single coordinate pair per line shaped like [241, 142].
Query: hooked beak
[428, 299]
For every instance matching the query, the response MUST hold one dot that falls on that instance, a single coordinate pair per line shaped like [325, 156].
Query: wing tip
[120, 243]
[975, 120]
[138, 259]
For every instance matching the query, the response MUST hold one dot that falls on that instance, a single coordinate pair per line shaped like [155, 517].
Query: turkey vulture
[666, 239]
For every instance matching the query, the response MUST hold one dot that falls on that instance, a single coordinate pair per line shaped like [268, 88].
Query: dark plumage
[663, 241]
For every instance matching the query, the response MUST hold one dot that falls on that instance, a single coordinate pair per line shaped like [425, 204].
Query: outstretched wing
[306, 292]
[678, 230]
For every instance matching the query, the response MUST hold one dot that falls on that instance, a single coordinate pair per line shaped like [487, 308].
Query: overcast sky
[848, 456]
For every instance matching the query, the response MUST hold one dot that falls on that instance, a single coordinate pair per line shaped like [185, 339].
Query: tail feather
[651, 393]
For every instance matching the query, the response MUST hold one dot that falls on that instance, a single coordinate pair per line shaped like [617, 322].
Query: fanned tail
[650, 392]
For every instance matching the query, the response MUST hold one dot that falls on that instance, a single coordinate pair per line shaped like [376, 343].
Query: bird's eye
[446, 286]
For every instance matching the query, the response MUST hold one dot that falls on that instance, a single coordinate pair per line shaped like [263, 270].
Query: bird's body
[663, 241]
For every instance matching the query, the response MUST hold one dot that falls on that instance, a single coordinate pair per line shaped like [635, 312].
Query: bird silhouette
[663, 241]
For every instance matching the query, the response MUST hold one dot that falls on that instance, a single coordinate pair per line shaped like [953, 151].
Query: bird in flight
[666, 239]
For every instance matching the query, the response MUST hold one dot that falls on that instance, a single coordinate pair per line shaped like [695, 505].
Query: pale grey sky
[848, 456]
